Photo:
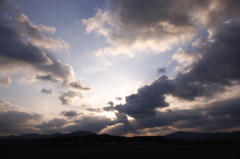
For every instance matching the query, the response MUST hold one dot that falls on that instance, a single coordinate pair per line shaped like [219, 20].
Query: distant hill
[85, 137]
[204, 136]
[78, 138]
[39, 136]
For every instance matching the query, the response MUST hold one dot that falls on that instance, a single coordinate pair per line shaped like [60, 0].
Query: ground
[196, 151]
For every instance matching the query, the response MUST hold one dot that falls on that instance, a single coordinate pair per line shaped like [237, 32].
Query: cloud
[5, 81]
[25, 46]
[215, 116]
[147, 99]
[89, 123]
[109, 107]
[118, 98]
[213, 70]
[35, 33]
[52, 124]
[93, 110]
[46, 91]
[71, 113]
[110, 103]
[6, 106]
[24, 53]
[161, 70]
[132, 26]
[46, 78]
[78, 85]
[14, 121]
[121, 118]
[83, 123]
[67, 97]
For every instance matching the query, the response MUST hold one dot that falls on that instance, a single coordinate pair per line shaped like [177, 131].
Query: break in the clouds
[132, 26]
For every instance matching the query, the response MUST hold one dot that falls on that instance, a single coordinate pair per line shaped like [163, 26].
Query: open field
[196, 151]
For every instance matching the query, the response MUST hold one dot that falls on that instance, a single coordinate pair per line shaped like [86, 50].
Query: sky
[119, 67]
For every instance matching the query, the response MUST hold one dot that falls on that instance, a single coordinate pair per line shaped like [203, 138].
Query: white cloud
[5, 81]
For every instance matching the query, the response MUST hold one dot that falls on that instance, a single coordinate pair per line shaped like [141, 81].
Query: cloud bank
[133, 26]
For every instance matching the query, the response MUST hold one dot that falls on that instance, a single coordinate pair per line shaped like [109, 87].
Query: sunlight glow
[110, 115]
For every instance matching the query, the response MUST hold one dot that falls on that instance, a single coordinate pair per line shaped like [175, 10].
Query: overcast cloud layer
[207, 36]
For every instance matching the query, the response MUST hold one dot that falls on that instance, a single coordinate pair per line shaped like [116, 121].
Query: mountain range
[204, 136]
[85, 137]
[39, 136]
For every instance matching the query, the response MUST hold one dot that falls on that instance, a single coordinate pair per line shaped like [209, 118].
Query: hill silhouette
[204, 136]
[85, 137]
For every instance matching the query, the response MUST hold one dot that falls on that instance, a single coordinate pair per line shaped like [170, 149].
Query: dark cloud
[78, 85]
[84, 123]
[161, 70]
[121, 118]
[93, 110]
[215, 67]
[46, 78]
[89, 123]
[131, 26]
[15, 51]
[212, 117]
[67, 97]
[53, 124]
[71, 113]
[5, 81]
[14, 121]
[109, 107]
[215, 116]
[24, 45]
[118, 98]
[46, 91]
[147, 99]
[110, 103]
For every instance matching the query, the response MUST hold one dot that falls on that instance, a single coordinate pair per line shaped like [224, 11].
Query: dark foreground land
[165, 151]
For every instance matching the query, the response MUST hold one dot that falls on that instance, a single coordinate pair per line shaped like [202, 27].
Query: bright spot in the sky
[110, 115]
[129, 118]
